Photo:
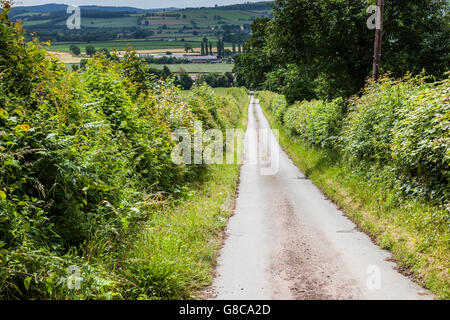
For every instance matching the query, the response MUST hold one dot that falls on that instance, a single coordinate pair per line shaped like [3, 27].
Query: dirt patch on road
[302, 262]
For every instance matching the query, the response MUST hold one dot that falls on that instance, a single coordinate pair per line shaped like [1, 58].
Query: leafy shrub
[84, 156]
[421, 140]
[397, 131]
[317, 122]
[402, 125]
[217, 80]
[293, 82]
[185, 81]
[368, 130]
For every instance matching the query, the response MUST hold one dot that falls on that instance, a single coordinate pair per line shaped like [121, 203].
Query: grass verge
[423, 256]
[174, 255]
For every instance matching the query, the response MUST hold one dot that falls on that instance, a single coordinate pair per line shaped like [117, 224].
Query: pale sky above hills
[146, 4]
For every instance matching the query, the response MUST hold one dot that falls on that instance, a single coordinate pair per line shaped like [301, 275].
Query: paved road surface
[287, 241]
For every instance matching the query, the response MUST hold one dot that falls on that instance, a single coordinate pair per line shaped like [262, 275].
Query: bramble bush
[400, 126]
[367, 133]
[84, 157]
[421, 141]
[317, 122]
[397, 128]
[279, 107]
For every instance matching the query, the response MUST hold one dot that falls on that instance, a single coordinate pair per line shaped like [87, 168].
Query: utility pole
[378, 37]
[279, 78]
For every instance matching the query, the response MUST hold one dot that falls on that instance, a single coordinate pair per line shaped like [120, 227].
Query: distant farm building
[202, 59]
[190, 58]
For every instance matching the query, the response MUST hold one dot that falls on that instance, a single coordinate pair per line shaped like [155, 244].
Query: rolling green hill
[160, 29]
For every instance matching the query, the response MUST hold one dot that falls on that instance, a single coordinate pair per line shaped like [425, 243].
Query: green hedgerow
[82, 155]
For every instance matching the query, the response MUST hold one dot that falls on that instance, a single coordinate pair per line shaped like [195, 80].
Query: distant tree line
[267, 5]
[88, 34]
[217, 80]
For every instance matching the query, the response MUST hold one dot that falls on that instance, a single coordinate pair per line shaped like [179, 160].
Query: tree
[105, 51]
[222, 48]
[303, 57]
[185, 81]
[250, 68]
[219, 48]
[205, 43]
[203, 49]
[166, 72]
[90, 50]
[230, 78]
[221, 81]
[142, 33]
[83, 63]
[234, 48]
[210, 48]
[416, 37]
[188, 47]
[210, 79]
[75, 50]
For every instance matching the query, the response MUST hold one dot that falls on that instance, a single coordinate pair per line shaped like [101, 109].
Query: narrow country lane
[287, 241]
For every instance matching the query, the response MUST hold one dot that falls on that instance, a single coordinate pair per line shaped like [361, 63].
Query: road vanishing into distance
[287, 241]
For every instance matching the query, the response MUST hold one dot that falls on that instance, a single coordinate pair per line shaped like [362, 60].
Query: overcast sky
[146, 4]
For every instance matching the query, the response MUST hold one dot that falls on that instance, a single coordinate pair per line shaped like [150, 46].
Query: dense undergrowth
[173, 256]
[85, 159]
[384, 156]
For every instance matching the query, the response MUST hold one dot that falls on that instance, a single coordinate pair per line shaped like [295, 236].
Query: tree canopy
[329, 43]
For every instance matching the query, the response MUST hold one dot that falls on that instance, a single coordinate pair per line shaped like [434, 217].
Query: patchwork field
[147, 31]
